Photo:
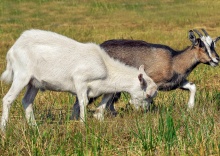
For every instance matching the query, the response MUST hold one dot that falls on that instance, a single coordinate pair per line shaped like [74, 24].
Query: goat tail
[7, 75]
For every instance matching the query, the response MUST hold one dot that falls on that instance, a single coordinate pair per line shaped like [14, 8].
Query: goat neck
[185, 61]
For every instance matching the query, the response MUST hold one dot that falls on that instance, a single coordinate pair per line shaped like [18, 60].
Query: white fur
[49, 61]
[192, 88]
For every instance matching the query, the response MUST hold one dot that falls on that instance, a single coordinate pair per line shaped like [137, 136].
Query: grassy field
[169, 129]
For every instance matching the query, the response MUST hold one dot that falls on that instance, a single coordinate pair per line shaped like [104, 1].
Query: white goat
[49, 61]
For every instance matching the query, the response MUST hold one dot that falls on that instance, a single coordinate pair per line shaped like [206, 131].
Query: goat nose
[217, 58]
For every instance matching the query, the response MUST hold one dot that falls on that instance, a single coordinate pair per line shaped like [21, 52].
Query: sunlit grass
[167, 129]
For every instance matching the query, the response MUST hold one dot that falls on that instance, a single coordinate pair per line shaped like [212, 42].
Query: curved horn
[216, 40]
[206, 34]
[200, 35]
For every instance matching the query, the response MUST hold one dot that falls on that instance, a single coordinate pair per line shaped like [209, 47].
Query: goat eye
[202, 45]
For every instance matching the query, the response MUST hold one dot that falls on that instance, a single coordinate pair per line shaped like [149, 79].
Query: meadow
[168, 129]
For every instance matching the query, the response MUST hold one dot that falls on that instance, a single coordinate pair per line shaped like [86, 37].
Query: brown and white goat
[168, 68]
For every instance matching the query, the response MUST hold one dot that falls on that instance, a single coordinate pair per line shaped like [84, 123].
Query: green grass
[168, 129]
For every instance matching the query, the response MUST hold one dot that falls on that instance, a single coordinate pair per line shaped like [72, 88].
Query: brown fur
[167, 67]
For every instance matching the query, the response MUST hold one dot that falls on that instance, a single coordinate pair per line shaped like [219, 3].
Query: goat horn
[200, 35]
[206, 34]
[218, 38]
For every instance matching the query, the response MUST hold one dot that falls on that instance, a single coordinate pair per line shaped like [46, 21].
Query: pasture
[167, 129]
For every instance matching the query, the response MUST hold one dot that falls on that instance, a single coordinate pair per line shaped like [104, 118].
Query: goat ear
[141, 68]
[192, 37]
[140, 76]
[141, 79]
[216, 39]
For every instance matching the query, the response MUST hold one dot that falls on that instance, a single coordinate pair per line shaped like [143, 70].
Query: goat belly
[44, 85]
[175, 82]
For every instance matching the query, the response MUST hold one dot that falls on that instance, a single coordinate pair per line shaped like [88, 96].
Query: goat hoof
[74, 117]
[2, 129]
[114, 114]
[190, 107]
[98, 116]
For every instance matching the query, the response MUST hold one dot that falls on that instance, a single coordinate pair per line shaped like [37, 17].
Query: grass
[169, 129]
